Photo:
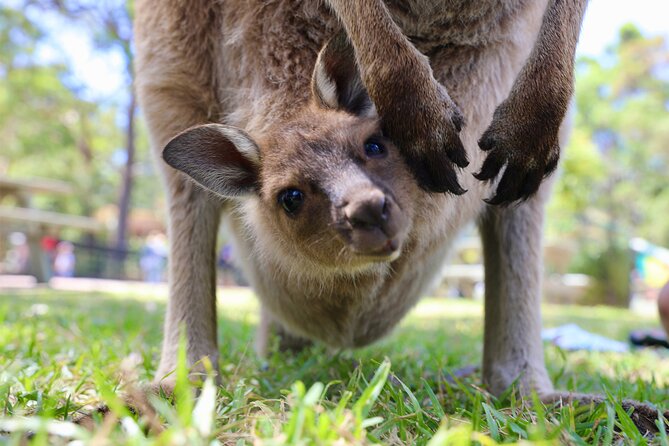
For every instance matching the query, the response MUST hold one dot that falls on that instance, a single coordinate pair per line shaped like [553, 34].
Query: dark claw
[458, 154]
[458, 121]
[530, 184]
[452, 184]
[551, 166]
[491, 166]
[494, 201]
[507, 190]
[435, 174]
[486, 142]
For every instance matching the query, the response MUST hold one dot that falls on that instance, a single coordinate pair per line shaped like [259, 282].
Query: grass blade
[373, 390]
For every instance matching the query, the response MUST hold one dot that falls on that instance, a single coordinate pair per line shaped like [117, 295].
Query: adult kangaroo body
[340, 243]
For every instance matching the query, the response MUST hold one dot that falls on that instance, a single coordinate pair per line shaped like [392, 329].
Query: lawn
[62, 353]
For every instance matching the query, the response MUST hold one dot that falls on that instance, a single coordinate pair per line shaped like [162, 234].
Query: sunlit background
[75, 165]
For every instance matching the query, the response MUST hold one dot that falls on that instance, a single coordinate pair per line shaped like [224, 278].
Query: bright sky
[101, 74]
[604, 18]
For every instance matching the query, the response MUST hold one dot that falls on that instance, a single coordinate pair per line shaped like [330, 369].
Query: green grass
[62, 353]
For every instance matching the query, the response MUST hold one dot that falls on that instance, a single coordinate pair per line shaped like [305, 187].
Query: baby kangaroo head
[341, 190]
[324, 187]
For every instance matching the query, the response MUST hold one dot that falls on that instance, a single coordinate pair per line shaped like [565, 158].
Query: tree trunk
[121, 245]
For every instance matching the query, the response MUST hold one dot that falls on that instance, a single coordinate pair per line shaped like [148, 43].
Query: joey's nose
[374, 225]
[370, 210]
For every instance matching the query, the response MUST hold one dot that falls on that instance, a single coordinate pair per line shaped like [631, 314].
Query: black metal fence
[107, 263]
[88, 259]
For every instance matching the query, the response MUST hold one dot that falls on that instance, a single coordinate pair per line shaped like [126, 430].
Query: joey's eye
[291, 200]
[374, 149]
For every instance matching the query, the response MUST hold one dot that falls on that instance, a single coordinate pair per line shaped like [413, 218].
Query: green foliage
[614, 171]
[17, 36]
[613, 184]
[63, 353]
[49, 129]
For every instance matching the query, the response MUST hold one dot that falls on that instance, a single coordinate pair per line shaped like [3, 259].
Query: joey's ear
[221, 158]
[336, 81]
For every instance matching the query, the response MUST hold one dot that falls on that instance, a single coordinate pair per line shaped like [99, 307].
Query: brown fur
[249, 64]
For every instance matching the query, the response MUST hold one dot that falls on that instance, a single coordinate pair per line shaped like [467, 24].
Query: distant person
[153, 257]
[18, 257]
[65, 260]
[49, 244]
[655, 337]
[663, 307]
[226, 265]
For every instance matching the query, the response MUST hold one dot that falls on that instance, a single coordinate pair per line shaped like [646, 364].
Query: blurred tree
[53, 124]
[110, 22]
[45, 128]
[614, 173]
[613, 184]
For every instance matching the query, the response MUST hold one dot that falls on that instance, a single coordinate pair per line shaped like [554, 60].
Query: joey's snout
[371, 210]
[372, 223]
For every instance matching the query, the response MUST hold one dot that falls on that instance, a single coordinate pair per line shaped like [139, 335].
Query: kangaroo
[339, 138]
[328, 135]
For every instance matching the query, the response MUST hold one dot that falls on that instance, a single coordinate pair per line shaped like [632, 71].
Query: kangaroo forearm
[561, 26]
[371, 29]
[550, 66]
[523, 134]
[415, 111]
[376, 40]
